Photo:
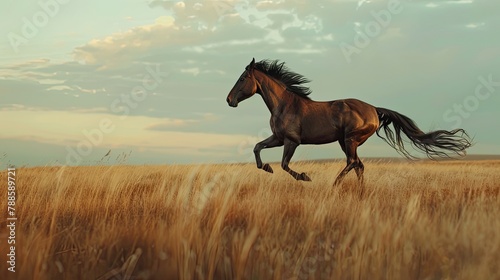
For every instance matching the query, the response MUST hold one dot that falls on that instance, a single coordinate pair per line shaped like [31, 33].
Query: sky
[148, 80]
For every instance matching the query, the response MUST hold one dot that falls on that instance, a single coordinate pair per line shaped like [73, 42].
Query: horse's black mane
[279, 71]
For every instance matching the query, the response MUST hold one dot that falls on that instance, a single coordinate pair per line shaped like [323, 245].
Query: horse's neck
[272, 93]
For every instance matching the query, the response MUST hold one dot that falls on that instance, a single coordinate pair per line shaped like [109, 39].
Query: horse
[296, 119]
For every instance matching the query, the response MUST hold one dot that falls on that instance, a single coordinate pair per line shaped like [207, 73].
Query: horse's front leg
[288, 152]
[269, 142]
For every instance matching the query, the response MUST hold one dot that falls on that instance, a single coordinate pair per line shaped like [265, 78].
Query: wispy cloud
[70, 127]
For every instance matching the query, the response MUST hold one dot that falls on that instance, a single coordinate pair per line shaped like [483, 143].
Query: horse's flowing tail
[435, 143]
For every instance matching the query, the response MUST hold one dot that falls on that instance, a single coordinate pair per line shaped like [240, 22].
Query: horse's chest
[284, 126]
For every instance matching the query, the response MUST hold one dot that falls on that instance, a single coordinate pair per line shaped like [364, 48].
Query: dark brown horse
[296, 119]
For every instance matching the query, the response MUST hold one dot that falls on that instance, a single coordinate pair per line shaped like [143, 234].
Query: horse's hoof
[267, 168]
[304, 177]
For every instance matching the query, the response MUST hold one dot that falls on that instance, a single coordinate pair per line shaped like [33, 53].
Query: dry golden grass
[422, 220]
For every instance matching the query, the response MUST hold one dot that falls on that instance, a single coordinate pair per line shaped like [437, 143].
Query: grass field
[414, 220]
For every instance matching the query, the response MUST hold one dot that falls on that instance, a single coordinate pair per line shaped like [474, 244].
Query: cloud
[475, 25]
[166, 38]
[59, 88]
[195, 71]
[174, 124]
[20, 107]
[30, 64]
[88, 110]
[74, 126]
[116, 48]
[169, 124]
[203, 14]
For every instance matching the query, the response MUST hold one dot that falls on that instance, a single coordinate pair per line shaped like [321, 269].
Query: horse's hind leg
[360, 169]
[350, 165]
[349, 147]
[290, 147]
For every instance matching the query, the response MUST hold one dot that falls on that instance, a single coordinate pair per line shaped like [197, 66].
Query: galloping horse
[296, 119]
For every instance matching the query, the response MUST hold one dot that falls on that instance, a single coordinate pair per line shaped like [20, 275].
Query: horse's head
[245, 87]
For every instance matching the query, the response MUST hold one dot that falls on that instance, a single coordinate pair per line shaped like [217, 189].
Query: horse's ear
[252, 64]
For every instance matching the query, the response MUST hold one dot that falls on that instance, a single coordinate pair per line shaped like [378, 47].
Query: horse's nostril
[227, 99]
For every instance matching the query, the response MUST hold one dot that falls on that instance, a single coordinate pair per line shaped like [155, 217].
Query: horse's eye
[242, 79]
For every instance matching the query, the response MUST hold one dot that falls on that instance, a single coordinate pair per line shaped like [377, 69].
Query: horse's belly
[319, 138]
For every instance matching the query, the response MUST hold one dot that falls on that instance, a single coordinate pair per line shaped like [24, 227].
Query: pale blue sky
[67, 69]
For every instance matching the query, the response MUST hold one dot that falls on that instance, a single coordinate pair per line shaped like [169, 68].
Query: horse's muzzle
[232, 103]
